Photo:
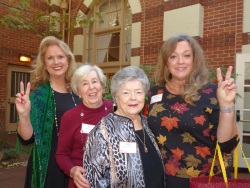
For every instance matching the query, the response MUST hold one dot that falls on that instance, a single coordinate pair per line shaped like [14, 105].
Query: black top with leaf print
[186, 134]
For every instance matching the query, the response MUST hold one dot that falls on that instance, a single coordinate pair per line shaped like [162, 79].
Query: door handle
[238, 117]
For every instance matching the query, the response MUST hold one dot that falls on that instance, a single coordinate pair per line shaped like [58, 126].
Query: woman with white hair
[121, 150]
[88, 82]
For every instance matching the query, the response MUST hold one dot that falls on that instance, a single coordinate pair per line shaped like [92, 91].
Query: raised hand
[226, 88]
[22, 100]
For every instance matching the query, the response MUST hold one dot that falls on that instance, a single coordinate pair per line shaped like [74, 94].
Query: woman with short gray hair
[121, 150]
[88, 82]
[127, 74]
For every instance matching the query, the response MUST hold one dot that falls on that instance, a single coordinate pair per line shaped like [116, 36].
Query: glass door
[243, 104]
[14, 76]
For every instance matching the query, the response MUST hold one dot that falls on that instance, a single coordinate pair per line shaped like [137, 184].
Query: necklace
[82, 114]
[73, 99]
[144, 143]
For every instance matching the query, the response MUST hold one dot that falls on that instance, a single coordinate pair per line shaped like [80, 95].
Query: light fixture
[24, 58]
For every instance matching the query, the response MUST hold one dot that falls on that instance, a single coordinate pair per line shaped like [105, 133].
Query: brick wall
[12, 43]
[222, 34]
[222, 31]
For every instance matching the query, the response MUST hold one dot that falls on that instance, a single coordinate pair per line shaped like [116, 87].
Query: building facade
[131, 33]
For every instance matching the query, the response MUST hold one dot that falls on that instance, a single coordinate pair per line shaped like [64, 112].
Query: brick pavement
[12, 177]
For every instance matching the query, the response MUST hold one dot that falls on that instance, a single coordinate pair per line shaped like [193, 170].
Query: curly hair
[197, 78]
[82, 73]
[40, 74]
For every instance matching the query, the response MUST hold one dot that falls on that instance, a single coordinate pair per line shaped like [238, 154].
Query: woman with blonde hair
[40, 111]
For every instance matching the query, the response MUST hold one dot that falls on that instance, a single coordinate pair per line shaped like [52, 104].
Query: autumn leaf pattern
[184, 131]
[179, 108]
[169, 123]
[209, 110]
[207, 91]
[202, 151]
[188, 138]
[156, 108]
[192, 161]
[161, 139]
[170, 96]
[177, 153]
[213, 100]
[192, 172]
[200, 120]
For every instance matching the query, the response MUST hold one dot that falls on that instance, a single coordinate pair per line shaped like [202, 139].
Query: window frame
[112, 66]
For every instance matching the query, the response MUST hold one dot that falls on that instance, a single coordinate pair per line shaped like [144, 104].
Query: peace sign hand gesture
[226, 91]
[22, 101]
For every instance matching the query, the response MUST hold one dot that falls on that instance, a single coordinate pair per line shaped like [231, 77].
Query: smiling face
[56, 61]
[180, 62]
[130, 99]
[90, 90]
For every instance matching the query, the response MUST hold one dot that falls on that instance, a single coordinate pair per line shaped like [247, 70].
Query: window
[108, 43]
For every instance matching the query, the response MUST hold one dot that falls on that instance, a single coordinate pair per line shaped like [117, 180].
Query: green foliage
[213, 76]
[107, 95]
[17, 19]
[9, 154]
[4, 144]
[146, 68]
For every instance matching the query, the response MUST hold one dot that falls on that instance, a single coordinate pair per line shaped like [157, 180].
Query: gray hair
[82, 72]
[127, 74]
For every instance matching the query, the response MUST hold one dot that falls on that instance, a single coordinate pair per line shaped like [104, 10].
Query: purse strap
[236, 160]
[222, 165]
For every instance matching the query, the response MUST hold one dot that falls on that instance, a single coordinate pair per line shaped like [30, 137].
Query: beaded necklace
[73, 99]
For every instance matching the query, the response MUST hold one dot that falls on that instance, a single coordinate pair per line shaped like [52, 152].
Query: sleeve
[65, 143]
[96, 160]
[229, 145]
[26, 142]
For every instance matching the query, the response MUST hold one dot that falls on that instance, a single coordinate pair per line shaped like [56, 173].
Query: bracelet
[228, 109]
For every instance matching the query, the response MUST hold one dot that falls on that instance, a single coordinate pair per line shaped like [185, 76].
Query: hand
[22, 100]
[77, 174]
[226, 88]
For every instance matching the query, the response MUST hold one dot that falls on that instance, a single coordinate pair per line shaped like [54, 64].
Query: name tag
[127, 147]
[156, 98]
[86, 128]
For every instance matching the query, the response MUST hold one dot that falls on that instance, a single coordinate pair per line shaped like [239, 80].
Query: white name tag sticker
[86, 128]
[156, 98]
[127, 147]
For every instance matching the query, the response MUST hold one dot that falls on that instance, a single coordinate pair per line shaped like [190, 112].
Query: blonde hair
[197, 78]
[40, 74]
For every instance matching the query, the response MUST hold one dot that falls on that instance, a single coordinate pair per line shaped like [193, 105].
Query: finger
[229, 72]
[21, 87]
[219, 75]
[28, 89]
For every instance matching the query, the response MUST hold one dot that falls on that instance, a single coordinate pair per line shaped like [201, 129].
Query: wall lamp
[24, 58]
